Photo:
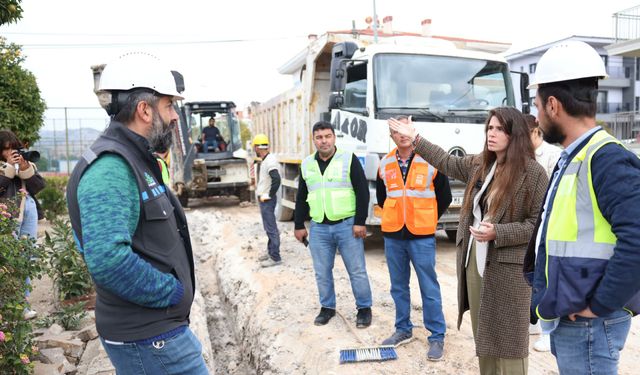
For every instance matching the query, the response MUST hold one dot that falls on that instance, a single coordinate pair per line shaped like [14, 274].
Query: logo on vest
[419, 179]
[150, 180]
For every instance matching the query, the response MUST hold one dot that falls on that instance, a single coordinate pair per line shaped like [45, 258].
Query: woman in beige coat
[505, 190]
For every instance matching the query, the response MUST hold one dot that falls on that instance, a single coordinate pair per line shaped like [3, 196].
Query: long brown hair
[519, 150]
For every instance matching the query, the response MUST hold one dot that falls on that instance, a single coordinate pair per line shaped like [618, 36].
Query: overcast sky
[235, 47]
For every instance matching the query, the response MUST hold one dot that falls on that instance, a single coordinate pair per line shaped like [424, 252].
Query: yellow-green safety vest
[330, 194]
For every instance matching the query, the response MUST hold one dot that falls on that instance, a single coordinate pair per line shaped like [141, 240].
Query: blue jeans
[210, 143]
[29, 224]
[324, 239]
[590, 346]
[181, 354]
[422, 254]
[269, 224]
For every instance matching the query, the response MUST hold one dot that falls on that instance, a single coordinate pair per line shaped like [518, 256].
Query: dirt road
[268, 321]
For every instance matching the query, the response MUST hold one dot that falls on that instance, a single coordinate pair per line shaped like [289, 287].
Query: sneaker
[270, 263]
[264, 257]
[398, 338]
[436, 350]
[29, 314]
[363, 319]
[325, 316]
[534, 329]
[543, 344]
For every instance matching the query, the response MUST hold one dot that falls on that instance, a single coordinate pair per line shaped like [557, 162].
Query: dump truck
[357, 85]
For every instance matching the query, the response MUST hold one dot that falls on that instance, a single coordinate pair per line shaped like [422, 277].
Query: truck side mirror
[339, 53]
[524, 93]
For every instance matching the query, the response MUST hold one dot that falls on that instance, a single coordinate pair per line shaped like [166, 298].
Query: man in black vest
[131, 229]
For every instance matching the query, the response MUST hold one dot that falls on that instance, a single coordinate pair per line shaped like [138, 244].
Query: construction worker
[267, 186]
[583, 259]
[413, 195]
[333, 190]
[131, 230]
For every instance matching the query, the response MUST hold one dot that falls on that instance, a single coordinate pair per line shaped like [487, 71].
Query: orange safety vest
[413, 204]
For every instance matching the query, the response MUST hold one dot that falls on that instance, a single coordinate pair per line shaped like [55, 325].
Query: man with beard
[131, 229]
[583, 259]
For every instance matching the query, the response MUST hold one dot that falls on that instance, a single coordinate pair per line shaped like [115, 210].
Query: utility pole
[375, 23]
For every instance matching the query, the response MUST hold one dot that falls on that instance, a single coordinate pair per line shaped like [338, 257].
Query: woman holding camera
[19, 180]
[19, 176]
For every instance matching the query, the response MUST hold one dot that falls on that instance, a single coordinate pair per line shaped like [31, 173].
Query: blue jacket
[616, 182]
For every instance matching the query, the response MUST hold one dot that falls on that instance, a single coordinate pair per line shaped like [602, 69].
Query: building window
[522, 68]
[601, 102]
[637, 103]
[532, 68]
[605, 59]
[638, 69]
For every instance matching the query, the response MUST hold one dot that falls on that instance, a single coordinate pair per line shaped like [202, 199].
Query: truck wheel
[244, 195]
[282, 213]
[184, 199]
[451, 234]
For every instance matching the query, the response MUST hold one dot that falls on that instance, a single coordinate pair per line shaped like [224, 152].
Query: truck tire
[184, 199]
[282, 213]
[244, 195]
[451, 234]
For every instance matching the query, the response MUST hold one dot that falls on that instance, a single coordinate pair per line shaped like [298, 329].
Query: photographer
[19, 178]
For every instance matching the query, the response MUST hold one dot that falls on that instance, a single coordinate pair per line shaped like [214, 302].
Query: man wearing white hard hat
[131, 229]
[583, 260]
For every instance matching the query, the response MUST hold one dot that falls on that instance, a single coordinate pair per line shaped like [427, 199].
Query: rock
[55, 329]
[72, 347]
[88, 333]
[40, 368]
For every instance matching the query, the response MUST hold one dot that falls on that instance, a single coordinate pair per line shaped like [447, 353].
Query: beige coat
[505, 297]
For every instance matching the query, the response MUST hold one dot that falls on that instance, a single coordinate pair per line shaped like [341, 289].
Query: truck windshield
[440, 83]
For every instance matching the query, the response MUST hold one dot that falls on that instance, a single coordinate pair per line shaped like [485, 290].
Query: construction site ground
[260, 320]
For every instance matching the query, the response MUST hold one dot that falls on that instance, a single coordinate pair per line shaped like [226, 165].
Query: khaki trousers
[488, 365]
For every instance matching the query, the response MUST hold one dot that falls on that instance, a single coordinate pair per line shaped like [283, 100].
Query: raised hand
[405, 127]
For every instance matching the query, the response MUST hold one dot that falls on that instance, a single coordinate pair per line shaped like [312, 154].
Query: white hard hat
[138, 70]
[568, 60]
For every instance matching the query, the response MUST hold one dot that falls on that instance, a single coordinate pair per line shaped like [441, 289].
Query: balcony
[613, 107]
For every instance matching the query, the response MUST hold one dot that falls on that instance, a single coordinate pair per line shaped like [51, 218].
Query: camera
[32, 156]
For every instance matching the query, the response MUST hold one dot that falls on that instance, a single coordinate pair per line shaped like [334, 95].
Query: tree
[10, 11]
[245, 132]
[21, 106]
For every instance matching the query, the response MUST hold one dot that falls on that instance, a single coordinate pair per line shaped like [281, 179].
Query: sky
[232, 50]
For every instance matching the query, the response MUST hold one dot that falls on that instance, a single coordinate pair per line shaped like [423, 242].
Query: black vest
[161, 239]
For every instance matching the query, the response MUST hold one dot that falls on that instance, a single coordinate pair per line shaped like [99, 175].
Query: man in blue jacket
[584, 258]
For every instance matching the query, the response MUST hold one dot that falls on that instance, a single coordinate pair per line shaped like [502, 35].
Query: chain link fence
[66, 133]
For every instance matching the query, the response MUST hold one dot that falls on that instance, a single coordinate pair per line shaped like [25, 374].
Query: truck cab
[448, 92]
[201, 170]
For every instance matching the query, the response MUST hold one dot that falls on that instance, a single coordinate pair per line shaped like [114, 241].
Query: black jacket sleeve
[275, 182]
[443, 192]
[301, 212]
[361, 188]
[381, 191]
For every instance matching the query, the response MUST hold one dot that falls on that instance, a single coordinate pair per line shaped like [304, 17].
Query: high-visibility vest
[412, 203]
[165, 171]
[330, 194]
[579, 241]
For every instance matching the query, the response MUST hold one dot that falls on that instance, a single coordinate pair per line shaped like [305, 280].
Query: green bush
[19, 259]
[67, 268]
[52, 197]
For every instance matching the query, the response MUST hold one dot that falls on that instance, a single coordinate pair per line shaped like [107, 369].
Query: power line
[163, 43]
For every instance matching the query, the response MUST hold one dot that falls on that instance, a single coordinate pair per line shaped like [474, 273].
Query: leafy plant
[53, 202]
[68, 270]
[21, 106]
[19, 258]
[10, 11]
[70, 316]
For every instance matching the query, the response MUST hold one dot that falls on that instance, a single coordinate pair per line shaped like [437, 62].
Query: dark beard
[161, 136]
[553, 134]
